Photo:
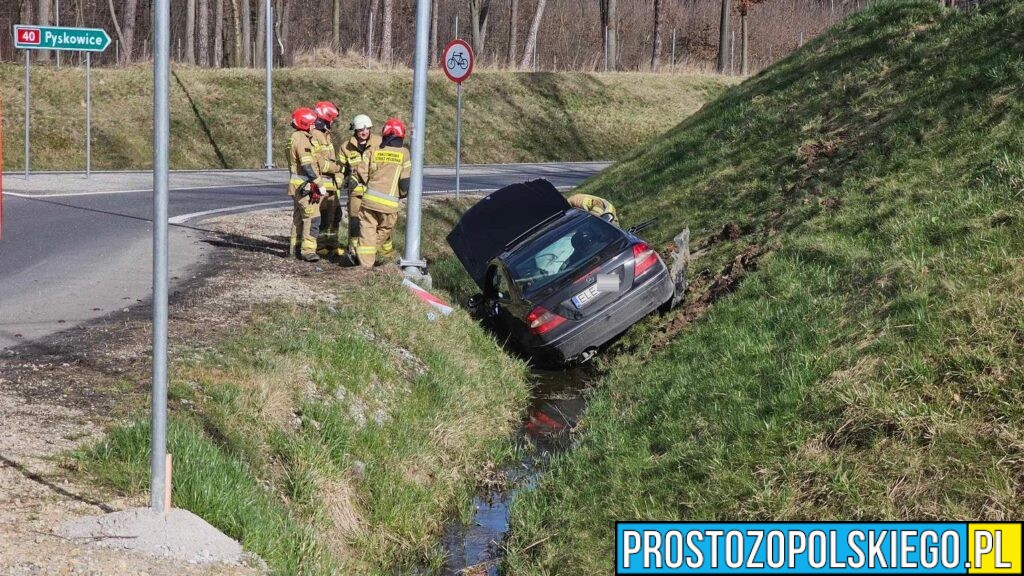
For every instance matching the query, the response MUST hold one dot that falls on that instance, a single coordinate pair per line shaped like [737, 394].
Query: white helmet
[360, 122]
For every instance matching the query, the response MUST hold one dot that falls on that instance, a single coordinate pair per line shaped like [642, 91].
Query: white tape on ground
[243, 208]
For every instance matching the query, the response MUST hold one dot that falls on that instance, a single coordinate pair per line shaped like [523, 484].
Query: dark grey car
[559, 281]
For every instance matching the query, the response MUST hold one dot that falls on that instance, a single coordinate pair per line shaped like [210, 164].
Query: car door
[501, 303]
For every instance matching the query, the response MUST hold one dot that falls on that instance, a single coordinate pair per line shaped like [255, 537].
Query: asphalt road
[68, 256]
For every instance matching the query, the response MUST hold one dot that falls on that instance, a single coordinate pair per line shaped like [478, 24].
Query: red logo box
[29, 36]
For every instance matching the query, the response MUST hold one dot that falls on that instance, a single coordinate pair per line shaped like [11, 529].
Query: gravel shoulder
[60, 393]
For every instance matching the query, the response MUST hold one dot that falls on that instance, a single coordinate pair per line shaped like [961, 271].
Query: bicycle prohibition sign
[457, 61]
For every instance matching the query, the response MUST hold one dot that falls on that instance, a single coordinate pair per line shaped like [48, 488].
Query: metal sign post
[413, 266]
[88, 114]
[457, 62]
[161, 130]
[268, 97]
[59, 38]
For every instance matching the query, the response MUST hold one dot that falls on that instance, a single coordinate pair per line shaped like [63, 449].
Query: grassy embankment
[331, 439]
[871, 366]
[217, 115]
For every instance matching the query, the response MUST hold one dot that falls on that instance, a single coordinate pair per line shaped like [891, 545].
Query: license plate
[581, 299]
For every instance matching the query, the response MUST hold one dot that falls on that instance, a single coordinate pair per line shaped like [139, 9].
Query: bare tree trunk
[374, 7]
[531, 39]
[513, 23]
[724, 30]
[45, 20]
[246, 33]
[190, 31]
[743, 44]
[261, 32]
[336, 26]
[659, 17]
[130, 10]
[117, 26]
[385, 35]
[204, 33]
[236, 16]
[479, 11]
[218, 34]
[610, 22]
[433, 33]
[287, 50]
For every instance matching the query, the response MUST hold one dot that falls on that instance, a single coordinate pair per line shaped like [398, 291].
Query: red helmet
[326, 111]
[303, 118]
[394, 127]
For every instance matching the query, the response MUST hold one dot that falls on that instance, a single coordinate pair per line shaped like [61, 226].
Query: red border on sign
[471, 60]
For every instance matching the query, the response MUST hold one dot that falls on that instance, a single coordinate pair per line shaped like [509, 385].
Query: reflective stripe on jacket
[300, 152]
[388, 166]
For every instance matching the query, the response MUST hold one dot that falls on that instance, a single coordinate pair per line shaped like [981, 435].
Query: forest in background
[578, 35]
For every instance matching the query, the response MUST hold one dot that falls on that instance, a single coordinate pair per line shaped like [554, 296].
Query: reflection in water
[556, 408]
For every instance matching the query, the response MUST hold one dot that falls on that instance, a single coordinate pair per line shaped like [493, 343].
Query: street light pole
[161, 131]
[412, 265]
[268, 49]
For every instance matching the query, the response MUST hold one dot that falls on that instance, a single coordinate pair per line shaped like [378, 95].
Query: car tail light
[644, 257]
[541, 320]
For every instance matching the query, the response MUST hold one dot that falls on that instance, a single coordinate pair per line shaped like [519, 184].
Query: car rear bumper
[611, 322]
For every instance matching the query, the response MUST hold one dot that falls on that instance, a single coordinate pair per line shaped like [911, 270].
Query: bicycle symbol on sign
[458, 60]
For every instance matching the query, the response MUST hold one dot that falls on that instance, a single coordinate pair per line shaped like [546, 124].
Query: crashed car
[558, 281]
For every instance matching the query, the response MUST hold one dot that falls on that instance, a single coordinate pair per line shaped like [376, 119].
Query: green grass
[872, 366]
[332, 441]
[217, 115]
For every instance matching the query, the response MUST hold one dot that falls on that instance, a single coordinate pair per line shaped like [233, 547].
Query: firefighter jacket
[301, 162]
[327, 164]
[387, 178]
[355, 159]
[593, 204]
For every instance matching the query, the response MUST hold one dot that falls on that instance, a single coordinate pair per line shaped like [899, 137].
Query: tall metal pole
[58, 25]
[88, 114]
[161, 132]
[414, 267]
[458, 140]
[268, 97]
[28, 97]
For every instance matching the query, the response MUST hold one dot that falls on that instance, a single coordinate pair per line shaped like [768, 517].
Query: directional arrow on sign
[60, 38]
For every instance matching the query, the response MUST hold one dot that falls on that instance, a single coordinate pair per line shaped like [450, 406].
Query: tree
[744, 7]
[659, 16]
[374, 7]
[610, 30]
[531, 39]
[336, 25]
[433, 34]
[204, 33]
[190, 31]
[236, 16]
[127, 47]
[44, 20]
[479, 10]
[246, 33]
[218, 34]
[117, 27]
[513, 21]
[385, 34]
[723, 36]
[261, 32]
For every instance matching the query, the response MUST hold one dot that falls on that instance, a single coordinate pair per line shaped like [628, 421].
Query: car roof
[501, 219]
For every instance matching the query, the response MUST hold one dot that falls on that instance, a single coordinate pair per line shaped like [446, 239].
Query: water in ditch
[556, 407]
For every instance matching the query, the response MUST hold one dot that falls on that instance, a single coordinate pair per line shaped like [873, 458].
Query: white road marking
[243, 208]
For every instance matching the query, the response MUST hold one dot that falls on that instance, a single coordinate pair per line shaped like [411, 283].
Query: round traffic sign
[457, 60]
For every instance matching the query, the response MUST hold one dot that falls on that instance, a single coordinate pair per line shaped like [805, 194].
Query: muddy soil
[60, 393]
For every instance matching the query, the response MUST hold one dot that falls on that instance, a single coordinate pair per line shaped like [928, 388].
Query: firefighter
[595, 205]
[304, 186]
[330, 170]
[355, 158]
[387, 182]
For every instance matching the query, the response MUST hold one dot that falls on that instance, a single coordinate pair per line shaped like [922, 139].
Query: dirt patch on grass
[60, 393]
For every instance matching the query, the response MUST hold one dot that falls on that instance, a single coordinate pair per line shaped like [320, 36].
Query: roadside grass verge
[217, 115]
[871, 364]
[332, 437]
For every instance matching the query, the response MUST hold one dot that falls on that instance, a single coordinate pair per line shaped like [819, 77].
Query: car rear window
[563, 252]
